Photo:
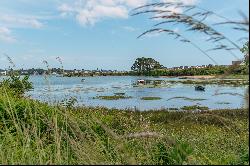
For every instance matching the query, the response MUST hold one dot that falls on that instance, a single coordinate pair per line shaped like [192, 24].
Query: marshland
[140, 112]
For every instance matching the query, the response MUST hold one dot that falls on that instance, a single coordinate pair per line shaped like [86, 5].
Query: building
[236, 62]
[3, 73]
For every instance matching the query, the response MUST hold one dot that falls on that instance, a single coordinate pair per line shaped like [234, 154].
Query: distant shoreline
[193, 77]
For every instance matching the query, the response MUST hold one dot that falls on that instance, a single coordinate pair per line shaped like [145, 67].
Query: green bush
[17, 84]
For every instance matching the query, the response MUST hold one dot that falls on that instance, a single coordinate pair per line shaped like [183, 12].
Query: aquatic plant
[115, 97]
[194, 107]
[223, 103]
[151, 98]
[233, 82]
[119, 94]
[186, 98]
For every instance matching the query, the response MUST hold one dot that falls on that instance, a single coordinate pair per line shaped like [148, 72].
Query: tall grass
[36, 133]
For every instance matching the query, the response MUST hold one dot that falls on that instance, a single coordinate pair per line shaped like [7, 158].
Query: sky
[90, 34]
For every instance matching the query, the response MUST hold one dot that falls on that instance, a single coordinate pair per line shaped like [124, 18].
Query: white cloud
[6, 36]
[134, 3]
[19, 21]
[11, 21]
[129, 28]
[90, 12]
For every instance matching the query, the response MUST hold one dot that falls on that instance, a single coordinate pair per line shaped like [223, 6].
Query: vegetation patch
[223, 103]
[114, 97]
[195, 107]
[119, 94]
[173, 109]
[232, 82]
[186, 98]
[229, 93]
[150, 98]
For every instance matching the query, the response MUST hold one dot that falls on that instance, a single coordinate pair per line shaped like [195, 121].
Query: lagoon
[54, 89]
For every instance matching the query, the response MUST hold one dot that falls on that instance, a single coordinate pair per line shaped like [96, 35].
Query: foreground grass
[36, 133]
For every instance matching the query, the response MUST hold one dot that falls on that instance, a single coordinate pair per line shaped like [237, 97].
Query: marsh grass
[114, 97]
[186, 98]
[151, 98]
[223, 103]
[119, 94]
[35, 133]
[236, 82]
[194, 107]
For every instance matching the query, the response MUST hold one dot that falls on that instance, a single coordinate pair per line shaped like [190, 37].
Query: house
[54, 73]
[236, 62]
[3, 73]
[24, 72]
[204, 66]
[210, 65]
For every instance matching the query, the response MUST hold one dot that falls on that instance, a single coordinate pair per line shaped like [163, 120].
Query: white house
[3, 73]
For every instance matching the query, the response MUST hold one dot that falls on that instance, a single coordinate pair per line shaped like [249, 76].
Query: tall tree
[145, 65]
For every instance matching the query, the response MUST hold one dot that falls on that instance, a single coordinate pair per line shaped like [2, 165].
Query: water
[56, 89]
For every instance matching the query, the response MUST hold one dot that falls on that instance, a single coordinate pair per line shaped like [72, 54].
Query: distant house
[236, 62]
[24, 72]
[210, 65]
[175, 68]
[3, 73]
[54, 73]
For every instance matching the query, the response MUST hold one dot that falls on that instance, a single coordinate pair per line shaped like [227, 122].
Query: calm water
[59, 88]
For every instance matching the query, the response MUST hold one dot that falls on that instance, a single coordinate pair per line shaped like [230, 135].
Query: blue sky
[90, 34]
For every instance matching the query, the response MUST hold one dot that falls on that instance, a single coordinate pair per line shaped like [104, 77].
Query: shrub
[17, 84]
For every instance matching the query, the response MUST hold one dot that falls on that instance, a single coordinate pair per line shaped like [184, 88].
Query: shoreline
[193, 77]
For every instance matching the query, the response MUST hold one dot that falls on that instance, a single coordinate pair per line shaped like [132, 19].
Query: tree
[145, 65]
[245, 51]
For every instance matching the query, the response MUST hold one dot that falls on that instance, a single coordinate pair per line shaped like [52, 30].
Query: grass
[150, 98]
[231, 76]
[114, 97]
[186, 98]
[236, 82]
[32, 132]
[119, 94]
[223, 103]
[194, 107]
